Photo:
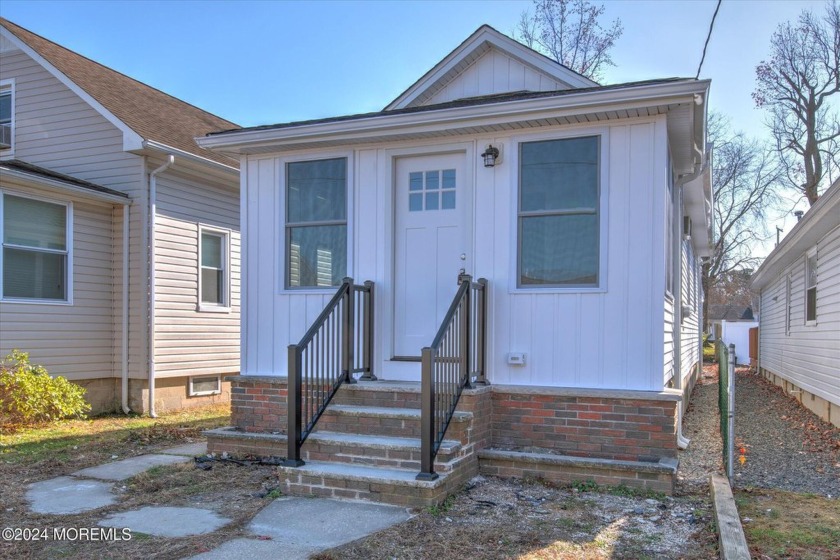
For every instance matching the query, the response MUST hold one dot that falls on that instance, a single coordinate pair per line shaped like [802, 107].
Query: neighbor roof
[465, 102]
[149, 112]
[728, 312]
[43, 173]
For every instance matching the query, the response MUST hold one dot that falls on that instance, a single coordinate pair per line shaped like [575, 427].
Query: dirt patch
[781, 525]
[495, 518]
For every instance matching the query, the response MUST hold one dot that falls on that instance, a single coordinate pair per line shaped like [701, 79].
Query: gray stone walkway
[288, 528]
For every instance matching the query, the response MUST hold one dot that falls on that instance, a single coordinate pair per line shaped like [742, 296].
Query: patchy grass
[789, 525]
[69, 439]
[529, 520]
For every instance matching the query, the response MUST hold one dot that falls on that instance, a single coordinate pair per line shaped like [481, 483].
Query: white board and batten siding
[605, 338]
[56, 129]
[495, 72]
[808, 355]
[189, 341]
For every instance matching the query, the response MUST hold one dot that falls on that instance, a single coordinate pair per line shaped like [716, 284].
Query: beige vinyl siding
[56, 129]
[809, 356]
[189, 341]
[76, 340]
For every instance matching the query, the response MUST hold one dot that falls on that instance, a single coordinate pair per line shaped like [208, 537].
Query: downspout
[124, 337]
[682, 441]
[151, 277]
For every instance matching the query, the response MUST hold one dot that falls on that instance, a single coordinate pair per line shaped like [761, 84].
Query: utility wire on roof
[709, 36]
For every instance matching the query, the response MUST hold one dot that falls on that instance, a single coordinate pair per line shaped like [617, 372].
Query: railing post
[482, 332]
[730, 428]
[348, 333]
[466, 340]
[368, 334]
[293, 411]
[427, 418]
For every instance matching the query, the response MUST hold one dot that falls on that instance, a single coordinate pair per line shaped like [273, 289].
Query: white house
[799, 324]
[584, 207]
[105, 199]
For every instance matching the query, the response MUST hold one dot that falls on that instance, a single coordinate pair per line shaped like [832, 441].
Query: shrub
[29, 396]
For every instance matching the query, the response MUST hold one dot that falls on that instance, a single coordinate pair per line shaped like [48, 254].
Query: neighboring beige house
[96, 169]
[799, 323]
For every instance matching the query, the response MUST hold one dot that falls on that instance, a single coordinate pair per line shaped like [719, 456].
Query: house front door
[430, 246]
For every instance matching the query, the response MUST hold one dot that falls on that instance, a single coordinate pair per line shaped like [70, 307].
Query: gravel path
[701, 426]
[786, 446]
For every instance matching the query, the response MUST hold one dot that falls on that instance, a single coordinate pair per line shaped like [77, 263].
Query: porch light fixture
[490, 155]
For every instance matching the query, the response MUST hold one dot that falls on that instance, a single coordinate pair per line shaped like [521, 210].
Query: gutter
[429, 121]
[170, 151]
[151, 276]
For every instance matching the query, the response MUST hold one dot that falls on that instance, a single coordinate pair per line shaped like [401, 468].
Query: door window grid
[431, 190]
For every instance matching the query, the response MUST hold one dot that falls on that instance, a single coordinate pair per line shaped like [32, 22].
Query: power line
[709, 36]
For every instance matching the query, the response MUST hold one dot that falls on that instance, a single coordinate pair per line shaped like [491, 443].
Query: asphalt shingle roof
[151, 113]
[19, 165]
[727, 312]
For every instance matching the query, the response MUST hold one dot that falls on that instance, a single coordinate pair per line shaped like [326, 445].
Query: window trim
[809, 255]
[68, 252]
[225, 306]
[280, 170]
[788, 303]
[602, 133]
[193, 393]
[9, 84]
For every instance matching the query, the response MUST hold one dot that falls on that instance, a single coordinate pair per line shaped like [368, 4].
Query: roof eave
[63, 186]
[814, 225]
[568, 103]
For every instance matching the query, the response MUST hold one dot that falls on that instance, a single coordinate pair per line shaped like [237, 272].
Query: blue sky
[260, 62]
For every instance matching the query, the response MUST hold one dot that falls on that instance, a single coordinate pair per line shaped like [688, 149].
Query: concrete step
[381, 451]
[386, 421]
[377, 484]
[397, 394]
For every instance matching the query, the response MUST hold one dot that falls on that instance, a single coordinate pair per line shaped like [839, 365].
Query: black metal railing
[455, 360]
[338, 344]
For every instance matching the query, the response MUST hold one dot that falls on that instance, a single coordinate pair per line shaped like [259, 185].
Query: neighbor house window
[316, 223]
[213, 284]
[35, 261]
[559, 193]
[6, 113]
[205, 385]
[788, 304]
[811, 288]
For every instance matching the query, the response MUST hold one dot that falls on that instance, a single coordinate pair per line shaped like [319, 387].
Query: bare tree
[796, 86]
[569, 32]
[744, 181]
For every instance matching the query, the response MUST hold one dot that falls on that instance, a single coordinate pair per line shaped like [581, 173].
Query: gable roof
[728, 312]
[477, 44]
[148, 112]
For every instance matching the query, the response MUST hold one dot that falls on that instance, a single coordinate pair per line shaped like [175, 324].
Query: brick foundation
[619, 425]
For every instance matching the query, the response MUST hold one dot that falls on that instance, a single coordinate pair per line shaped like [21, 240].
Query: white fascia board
[29, 179]
[503, 43]
[131, 140]
[359, 129]
[181, 154]
[818, 221]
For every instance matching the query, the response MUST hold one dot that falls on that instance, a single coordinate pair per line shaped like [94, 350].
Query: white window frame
[193, 393]
[282, 268]
[812, 254]
[603, 215]
[68, 252]
[9, 85]
[788, 303]
[207, 307]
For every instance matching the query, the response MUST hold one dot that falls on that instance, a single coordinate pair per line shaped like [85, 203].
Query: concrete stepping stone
[167, 521]
[249, 549]
[66, 495]
[323, 523]
[188, 449]
[121, 470]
